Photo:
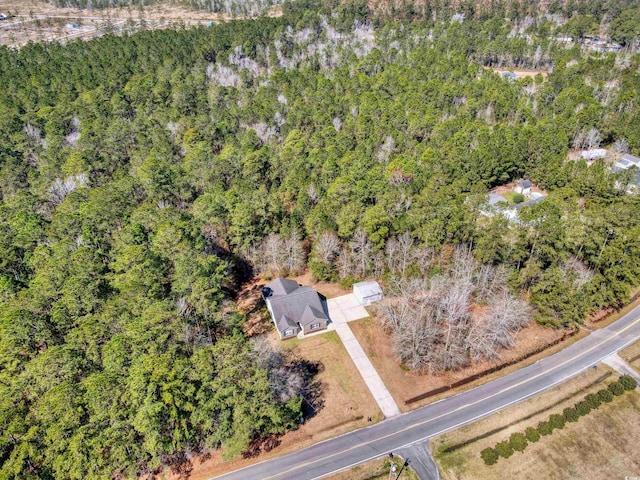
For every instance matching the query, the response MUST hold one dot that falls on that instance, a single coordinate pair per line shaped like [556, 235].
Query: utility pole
[406, 463]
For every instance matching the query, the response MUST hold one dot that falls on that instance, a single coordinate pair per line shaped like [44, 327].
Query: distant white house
[593, 154]
[523, 187]
[367, 292]
[72, 25]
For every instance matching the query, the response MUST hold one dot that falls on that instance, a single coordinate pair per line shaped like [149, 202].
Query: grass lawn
[346, 404]
[601, 445]
[377, 469]
[510, 196]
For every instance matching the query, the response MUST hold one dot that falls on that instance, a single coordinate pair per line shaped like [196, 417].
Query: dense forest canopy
[139, 176]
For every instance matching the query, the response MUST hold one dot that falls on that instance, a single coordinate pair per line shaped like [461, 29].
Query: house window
[288, 332]
[314, 326]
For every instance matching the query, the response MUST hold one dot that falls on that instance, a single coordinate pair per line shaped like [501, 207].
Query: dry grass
[632, 355]
[404, 384]
[377, 469]
[347, 403]
[600, 445]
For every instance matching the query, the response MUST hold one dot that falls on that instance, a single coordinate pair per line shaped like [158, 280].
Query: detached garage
[367, 292]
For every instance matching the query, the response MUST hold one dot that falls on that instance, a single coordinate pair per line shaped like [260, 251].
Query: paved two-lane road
[390, 435]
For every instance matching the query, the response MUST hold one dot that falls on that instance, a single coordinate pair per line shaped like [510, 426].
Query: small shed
[367, 292]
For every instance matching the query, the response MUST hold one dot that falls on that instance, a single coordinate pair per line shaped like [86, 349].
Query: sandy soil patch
[520, 73]
[404, 384]
[600, 445]
[346, 404]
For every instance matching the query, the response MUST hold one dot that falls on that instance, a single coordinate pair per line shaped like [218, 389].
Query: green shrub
[518, 442]
[593, 400]
[518, 198]
[532, 434]
[504, 449]
[545, 428]
[616, 388]
[583, 408]
[489, 455]
[628, 382]
[605, 395]
[557, 420]
[570, 414]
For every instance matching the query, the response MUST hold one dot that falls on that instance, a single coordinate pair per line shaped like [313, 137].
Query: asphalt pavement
[417, 426]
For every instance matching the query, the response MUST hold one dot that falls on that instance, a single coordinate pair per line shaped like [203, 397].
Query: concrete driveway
[345, 308]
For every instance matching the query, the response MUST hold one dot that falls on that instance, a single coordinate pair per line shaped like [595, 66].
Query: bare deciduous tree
[433, 323]
[326, 248]
[361, 252]
[294, 256]
[61, 188]
[276, 256]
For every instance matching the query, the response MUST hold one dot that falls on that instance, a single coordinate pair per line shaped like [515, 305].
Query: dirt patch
[346, 404]
[327, 289]
[601, 445]
[520, 73]
[250, 303]
[404, 384]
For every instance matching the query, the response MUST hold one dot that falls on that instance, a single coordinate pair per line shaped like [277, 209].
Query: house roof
[291, 302]
[526, 184]
[285, 323]
[282, 286]
[495, 198]
[627, 157]
[311, 315]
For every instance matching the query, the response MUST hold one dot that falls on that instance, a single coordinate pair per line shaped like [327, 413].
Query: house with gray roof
[294, 307]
